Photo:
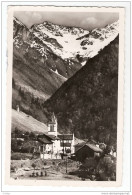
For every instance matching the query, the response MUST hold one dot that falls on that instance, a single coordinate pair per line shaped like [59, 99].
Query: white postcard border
[120, 137]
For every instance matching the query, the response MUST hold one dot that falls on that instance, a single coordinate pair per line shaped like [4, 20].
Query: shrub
[107, 168]
[19, 156]
[34, 165]
[83, 175]
[32, 135]
[45, 163]
[16, 145]
[90, 163]
[13, 168]
[25, 149]
[68, 151]
[53, 163]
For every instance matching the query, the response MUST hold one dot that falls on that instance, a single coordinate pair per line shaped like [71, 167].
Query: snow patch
[56, 71]
[83, 63]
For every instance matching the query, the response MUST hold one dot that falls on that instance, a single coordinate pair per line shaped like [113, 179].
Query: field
[44, 169]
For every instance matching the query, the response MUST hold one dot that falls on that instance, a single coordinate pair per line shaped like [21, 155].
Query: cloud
[33, 16]
[90, 22]
[86, 20]
[36, 16]
[29, 18]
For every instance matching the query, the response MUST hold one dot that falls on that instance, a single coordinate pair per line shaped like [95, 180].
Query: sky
[85, 20]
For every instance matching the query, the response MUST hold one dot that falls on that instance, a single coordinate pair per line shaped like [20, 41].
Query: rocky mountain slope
[45, 55]
[29, 69]
[86, 104]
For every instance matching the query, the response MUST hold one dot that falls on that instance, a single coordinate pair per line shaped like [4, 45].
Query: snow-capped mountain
[27, 43]
[61, 39]
[68, 47]
[72, 42]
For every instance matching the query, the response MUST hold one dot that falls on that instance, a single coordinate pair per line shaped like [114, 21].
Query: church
[53, 144]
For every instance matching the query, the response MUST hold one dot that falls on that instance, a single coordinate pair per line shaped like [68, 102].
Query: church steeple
[53, 118]
[52, 125]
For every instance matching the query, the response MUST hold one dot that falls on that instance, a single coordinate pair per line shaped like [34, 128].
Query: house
[53, 144]
[84, 142]
[86, 151]
[67, 143]
[79, 145]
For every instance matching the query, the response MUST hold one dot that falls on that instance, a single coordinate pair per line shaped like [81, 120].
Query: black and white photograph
[65, 93]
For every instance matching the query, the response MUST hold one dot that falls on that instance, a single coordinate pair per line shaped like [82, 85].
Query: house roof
[65, 144]
[78, 141]
[44, 140]
[80, 144]
[53, 137]
[66, 136]
[48, 137]
[58, 137]
[92, 141]
[92, 147]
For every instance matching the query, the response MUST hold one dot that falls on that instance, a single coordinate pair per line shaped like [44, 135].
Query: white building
[54, 145]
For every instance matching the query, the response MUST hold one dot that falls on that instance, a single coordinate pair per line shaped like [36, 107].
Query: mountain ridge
[74, 34]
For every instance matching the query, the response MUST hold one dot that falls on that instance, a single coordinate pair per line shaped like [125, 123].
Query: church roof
[66, 136]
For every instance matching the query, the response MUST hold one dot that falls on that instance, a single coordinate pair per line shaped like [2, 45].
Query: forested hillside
[86, 104]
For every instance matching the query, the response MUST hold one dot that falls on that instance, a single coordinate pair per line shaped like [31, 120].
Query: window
[68, 141]
[52, 128]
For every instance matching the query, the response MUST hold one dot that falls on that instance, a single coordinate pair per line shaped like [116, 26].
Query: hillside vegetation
[26, 123]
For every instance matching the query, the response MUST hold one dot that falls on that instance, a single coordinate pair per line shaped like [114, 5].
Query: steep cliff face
[86, 104]
[33, 80]
[30, 71]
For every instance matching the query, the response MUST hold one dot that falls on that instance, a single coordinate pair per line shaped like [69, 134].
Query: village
[56, 156]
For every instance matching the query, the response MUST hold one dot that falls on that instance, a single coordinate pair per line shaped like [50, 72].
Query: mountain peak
[47, 22]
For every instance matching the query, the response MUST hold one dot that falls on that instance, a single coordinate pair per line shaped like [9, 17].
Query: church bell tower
[52, 126]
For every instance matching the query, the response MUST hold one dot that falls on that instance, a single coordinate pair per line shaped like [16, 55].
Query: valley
[51, 73]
